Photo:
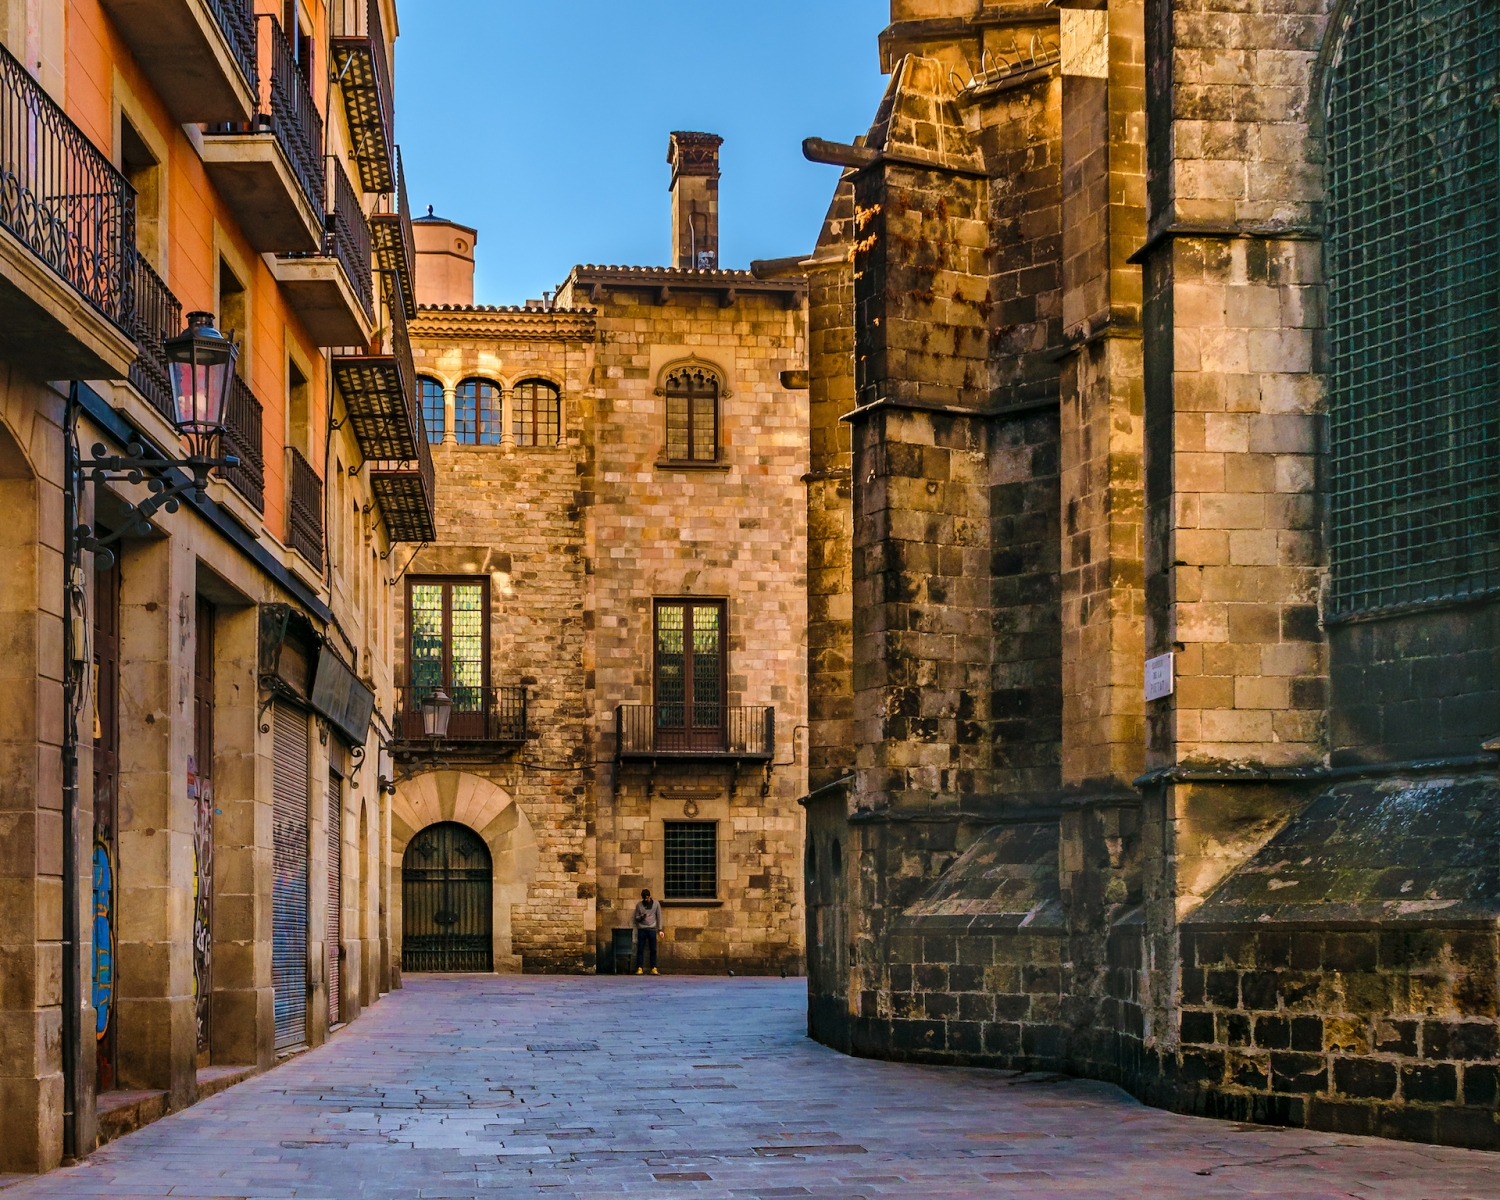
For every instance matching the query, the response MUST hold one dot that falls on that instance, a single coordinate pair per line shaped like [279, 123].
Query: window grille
[432, 409]
[1413, 255]
[692, 416]
[692, 860]
[538, 414]
[477, 413]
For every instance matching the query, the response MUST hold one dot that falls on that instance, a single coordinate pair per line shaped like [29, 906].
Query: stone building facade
[193, 819]
[614, 464]
[1152, 645]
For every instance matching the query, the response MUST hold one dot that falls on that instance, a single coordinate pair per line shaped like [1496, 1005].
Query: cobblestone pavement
[535, 1087]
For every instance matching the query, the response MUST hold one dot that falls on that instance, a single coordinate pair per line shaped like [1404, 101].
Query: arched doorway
[446, 879]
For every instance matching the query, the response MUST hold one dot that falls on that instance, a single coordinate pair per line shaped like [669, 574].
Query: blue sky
[545, 124]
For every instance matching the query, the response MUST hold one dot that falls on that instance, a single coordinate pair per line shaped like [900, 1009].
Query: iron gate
[445, 901]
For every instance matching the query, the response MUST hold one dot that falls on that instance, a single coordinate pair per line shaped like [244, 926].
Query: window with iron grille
[432, 409]
[1413, 259]
[692, 860]
[538, 414]
[448, 645]
[477, 413]
[692, 415]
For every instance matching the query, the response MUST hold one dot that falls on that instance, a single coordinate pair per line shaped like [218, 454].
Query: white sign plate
[1159, 677]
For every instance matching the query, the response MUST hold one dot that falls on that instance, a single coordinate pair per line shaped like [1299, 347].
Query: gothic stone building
[615, 605]
[1153, 515]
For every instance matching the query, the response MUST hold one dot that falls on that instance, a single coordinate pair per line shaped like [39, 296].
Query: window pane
[690, 851]
[466, 413]
[432, 409]
[669, 665]
[704, 439]
[706, 688]
[677, 428]
[426, 639]
[538, 414]
[490, 414]
[468, 647]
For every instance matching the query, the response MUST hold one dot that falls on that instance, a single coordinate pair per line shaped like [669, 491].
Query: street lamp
[436, 709]
[200, 365]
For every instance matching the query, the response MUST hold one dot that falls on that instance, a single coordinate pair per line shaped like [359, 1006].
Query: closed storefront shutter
[335, 897]
[289, 886]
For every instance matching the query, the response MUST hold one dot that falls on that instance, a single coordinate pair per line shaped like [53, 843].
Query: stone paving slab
[598, 1088]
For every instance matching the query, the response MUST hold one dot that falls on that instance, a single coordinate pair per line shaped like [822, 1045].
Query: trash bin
[623, 951]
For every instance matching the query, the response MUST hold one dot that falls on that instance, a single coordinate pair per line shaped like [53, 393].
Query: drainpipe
[71, 975]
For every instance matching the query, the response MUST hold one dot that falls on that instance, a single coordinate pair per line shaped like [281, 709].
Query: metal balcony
[270, 170]
[696, 731]
[158, 316]
[361, 65]
[243, 439]
[395, 246]
[332, 290]
[68, 221]
[198, 54]
[304, 509]
[482, 718]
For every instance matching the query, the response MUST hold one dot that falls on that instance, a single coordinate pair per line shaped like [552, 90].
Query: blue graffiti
[104, 939]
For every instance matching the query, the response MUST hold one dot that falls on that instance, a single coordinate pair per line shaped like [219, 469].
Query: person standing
[648, 924]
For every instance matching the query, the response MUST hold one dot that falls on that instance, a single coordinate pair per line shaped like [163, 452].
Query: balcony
[483, 720]
[395, 247]
[363, 69]
[158, 316]
[67, 241]
[243, 439]
[198, 54]
[380, 397]
[305, 509]
[331, 290]
[697, 731]
[270, 170]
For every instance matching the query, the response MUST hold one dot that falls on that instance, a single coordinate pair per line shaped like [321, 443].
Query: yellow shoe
[638, 970]
[654, 971]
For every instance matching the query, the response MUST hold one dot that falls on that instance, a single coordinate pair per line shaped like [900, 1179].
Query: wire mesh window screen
[426, 636]
[1413, 254]
[448, 643]
[538, 414]
[432, 409]
[692, 860]
[692, 416]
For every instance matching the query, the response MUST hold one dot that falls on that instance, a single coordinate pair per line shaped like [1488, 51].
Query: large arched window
[1413, 265]
[476, 413]
[692, 415]
[432, 408]
[538, 413]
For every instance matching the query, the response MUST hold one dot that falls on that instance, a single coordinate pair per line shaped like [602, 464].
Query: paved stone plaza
[514, 1086]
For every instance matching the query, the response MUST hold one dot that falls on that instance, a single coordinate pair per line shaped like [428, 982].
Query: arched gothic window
[477, 413]
[432, 408]
[692, 415]
[1413, 258]
[537, 410]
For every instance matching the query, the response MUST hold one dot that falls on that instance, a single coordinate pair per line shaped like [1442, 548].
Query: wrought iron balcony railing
[62, 199]
[360, 64]
[347, 238]
[305, 511]
[395, 244]
[158, 316]
[242, 438]
[236, 22]
[695, 731]
[493, 714]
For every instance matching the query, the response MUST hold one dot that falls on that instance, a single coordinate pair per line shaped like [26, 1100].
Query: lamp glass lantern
[200, 362]
[436, 709]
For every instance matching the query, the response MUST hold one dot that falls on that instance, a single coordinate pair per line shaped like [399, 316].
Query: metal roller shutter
[289, 887]
[335, 897]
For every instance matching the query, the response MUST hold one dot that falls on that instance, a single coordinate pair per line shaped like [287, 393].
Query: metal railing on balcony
[158, 316]
[364, 73]
[305, 510]
[242, 438]
[348, 238]
[236, 22]
[480, 714]
[63, 199]
[695, 731]
[395, 244]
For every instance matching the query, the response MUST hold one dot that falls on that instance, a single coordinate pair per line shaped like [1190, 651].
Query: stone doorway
[446, 882]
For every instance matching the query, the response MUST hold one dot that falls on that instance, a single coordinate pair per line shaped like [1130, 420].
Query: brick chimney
[694, 158]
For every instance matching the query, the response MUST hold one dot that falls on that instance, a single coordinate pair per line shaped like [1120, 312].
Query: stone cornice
[594, 281]
[511, 323]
